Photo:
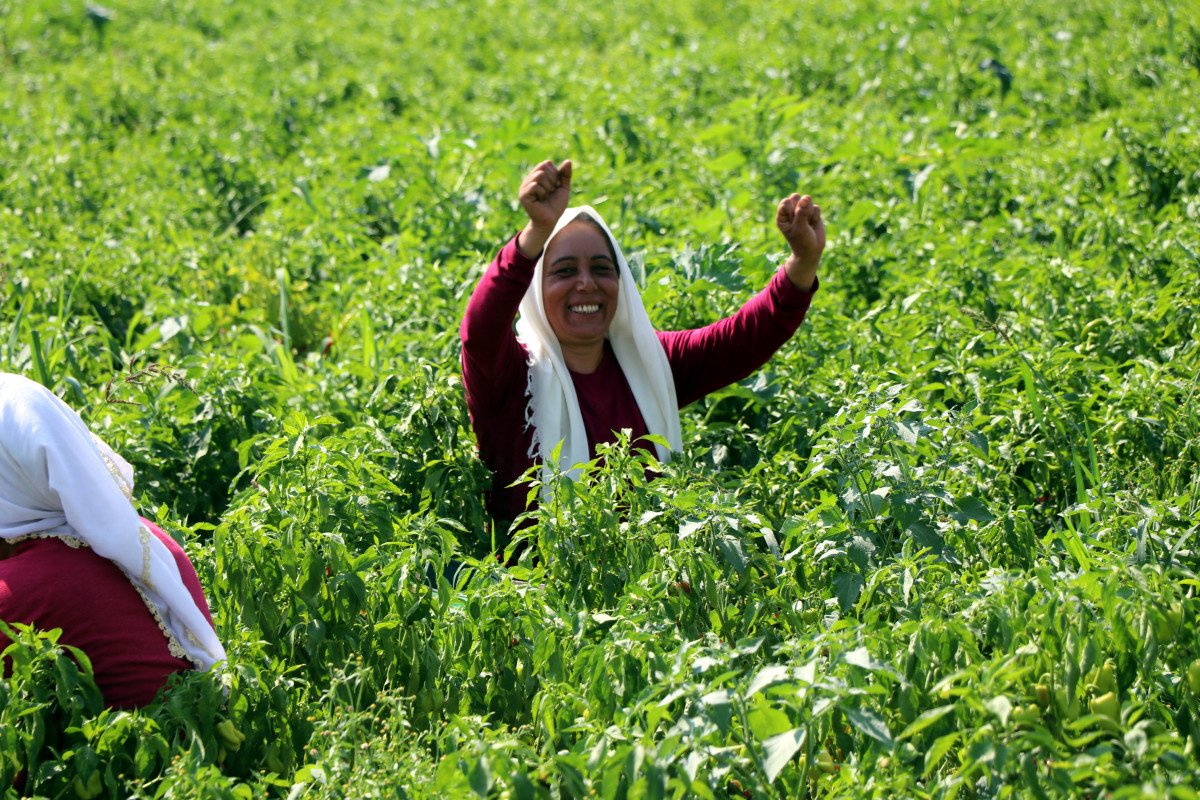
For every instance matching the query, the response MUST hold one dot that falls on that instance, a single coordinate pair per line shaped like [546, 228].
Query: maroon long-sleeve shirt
[495, 369]
[49, 584]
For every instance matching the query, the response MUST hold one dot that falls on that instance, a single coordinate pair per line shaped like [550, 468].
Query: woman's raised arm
[714, 356]
[493, 361]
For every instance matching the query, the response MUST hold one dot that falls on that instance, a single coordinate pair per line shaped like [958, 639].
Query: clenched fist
[544, 195]
[799, 220]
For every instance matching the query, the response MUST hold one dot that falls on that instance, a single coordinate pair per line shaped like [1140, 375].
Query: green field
[944, 545]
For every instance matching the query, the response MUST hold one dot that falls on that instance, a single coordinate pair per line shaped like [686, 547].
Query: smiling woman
[584, 361]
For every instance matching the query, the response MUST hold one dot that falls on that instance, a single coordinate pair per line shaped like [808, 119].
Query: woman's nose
[586, 282]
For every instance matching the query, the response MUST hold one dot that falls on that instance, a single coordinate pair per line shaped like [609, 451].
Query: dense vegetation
[945, 544]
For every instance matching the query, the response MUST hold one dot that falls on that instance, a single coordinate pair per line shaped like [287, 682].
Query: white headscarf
[57, 479]
[553, 407]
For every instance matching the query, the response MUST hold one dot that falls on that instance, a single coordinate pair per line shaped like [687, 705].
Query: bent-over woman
[584, 361]
[75, 555]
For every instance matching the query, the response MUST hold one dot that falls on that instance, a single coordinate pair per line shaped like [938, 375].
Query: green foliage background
[239, 238]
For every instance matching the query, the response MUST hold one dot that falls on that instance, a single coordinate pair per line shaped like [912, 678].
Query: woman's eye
[564, 272]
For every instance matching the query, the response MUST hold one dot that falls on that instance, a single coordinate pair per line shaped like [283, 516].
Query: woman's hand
[544, 195]
[799, 220]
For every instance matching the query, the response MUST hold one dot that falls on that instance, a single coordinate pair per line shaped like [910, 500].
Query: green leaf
[727, 162]
[909, 432]
[861, 657]
[1001, 706]
[448, 779]
[941, 746]
[924, 720]
[766, 721]
[734, 552]
[858, 213]
[846, 587]
[780, 749]
[481, 776]
[969, 508]
[869, 724]
[768, 676]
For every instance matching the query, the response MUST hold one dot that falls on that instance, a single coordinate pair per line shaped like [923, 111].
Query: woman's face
[580, 282]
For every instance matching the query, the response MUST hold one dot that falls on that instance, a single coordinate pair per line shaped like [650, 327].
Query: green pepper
[230, 735]
[1106, 705]
[86, 790]
[1193, 677]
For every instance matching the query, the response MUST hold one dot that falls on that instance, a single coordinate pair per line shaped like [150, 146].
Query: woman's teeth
[588, 309]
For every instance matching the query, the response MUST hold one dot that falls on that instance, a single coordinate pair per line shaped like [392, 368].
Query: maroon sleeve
[8, 613]
[709, 358]
[492, 358]
[186, 570]
[16, 603]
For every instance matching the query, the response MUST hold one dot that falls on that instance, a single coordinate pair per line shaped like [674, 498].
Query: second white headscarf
[553, 409]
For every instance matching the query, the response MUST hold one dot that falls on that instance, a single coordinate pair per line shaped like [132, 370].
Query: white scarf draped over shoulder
[553, 408]
[58, 480]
